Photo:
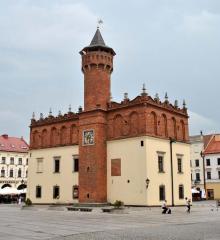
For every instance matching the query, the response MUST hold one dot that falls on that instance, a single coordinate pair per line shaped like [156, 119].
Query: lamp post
[203, 163]
[171, 169]
[147, 182]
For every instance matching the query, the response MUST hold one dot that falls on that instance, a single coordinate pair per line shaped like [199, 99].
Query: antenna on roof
[99, 22]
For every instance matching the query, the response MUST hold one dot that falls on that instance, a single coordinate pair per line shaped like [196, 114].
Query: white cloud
[50, 27]
[204, 22]
[198, 122]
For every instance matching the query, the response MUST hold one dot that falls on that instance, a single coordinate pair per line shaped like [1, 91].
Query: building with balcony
[13, 162]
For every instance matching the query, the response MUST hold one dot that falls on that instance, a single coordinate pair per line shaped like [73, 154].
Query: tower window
[75, 164]
[142, 143]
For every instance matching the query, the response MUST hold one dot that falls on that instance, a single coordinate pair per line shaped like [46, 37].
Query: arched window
[163, 125]
[74, 134]
[181, 191]
[36, 139]
[174, 129]
[118, 126]
[44, 138]
[134, 123]
[63, 136]
[54, 136]
[152, 123]
[162, 194]
[182, 130]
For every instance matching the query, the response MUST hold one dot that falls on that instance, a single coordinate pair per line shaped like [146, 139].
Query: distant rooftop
[13, 144]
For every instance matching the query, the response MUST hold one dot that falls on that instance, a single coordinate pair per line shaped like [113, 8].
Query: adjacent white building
[13, 162]
[212, 167]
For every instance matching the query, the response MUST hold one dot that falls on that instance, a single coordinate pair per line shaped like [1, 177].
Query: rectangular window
[181, 192]
[160, 164]
[38, 191]
[2, 173]
[208, 162]
[39, 165]
[218, 161]
[11, 173]
[19, 161]
[197, 162]
[162, 193]
[209, 176]
[3, 160]
[142, 143]
[179, 165]
[218, 174]
[75, 192]
[12, 161]
[27, 161]
[56, 165]
[76, 164]
[197, 176]
[56, 192]
[116, 167]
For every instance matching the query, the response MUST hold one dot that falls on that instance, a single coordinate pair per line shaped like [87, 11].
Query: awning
[194, 191]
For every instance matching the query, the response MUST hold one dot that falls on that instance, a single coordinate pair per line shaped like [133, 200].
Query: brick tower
[97, 66]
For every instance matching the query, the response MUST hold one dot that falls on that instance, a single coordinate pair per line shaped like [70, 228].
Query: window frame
[54, 191]
[56, 160]
[181, 191]
[75, 163]
[36, 191]
[208, 162]
[162, 193]
[160, 162]
[209, 175]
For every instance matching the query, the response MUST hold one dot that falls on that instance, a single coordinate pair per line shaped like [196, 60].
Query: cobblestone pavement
[138, 223]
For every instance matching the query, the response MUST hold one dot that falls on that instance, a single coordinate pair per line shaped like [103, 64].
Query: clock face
[88, 137]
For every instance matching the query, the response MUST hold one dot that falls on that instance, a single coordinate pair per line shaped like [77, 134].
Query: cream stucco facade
[45, 176]
[139, 163]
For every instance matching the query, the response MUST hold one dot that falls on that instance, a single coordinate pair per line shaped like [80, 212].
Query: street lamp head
[147, 182]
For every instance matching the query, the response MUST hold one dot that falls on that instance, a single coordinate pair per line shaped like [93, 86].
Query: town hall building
[136, 150]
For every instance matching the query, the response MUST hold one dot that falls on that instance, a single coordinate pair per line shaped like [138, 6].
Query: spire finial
[33, 115]
[99, 22]
[157, 97]
[143, 90]
[70, 108]
[125, 96]
[176, 104]
[166, 97]
[184, 104]
[50, 112]
[41, 116]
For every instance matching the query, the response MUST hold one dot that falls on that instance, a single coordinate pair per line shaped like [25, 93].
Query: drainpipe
[171, 166]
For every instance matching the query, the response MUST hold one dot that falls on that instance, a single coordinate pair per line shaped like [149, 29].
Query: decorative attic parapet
[148, 100]
[54, 119]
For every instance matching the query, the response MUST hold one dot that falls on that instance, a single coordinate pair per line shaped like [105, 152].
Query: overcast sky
[171, 45]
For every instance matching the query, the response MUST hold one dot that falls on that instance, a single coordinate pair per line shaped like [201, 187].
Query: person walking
[188, 205]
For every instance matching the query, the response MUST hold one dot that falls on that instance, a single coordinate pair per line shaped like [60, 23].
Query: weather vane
[99, 22]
